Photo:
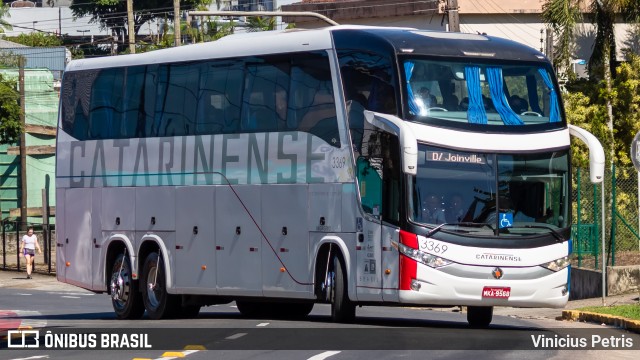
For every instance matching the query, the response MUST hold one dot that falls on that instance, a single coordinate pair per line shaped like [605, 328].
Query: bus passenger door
[369, 231]
[77, 243]
[195, 265]
[238, 241]
[390, 264]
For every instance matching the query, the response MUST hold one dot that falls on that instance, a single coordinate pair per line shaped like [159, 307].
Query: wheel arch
[117, 245]
[150, 243]
[321, 252]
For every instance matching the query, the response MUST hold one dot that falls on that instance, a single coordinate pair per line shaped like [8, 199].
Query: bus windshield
[450, 93]
[521, 194]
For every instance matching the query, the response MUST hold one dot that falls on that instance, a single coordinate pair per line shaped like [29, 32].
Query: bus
[347, 165]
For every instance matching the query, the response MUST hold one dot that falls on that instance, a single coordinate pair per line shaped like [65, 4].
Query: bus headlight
[557, 265]
[422, 257]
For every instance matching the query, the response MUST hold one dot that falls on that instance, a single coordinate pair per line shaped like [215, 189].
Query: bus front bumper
[435, 287]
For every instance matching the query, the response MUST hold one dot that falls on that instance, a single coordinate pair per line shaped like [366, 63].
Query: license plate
[496, 292]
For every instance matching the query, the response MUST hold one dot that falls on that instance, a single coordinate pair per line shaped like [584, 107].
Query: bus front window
[520, 193]
[456, 94]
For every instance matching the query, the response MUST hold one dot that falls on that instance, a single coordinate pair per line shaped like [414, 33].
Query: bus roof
[403, 40]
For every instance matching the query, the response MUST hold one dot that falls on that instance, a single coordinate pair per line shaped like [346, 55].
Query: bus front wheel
[342, 309]
[157, 301]
[479, 316]
[125, 297]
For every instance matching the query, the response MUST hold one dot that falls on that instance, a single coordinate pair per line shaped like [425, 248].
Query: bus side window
[106, 103]
[311, 104]
[261, 103]
[391, 179]
[370, 173]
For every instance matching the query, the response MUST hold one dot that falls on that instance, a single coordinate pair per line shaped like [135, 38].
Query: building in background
[517, 20]
[41, 113]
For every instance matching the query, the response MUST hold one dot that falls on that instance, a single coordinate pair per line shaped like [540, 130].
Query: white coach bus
[346, 165]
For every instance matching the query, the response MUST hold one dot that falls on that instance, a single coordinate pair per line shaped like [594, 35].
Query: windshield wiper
[467, 223]
[554, 232]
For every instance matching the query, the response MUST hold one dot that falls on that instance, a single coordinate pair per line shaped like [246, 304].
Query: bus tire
[479, 316]
[159, 303]
[125, 297]
[342, 309]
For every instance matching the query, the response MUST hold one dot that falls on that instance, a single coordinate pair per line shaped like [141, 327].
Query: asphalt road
[378, 333]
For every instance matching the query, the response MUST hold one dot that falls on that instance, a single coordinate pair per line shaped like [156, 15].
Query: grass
[631, 311]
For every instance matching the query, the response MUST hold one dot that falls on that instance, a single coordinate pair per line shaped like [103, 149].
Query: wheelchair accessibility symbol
[506, 220]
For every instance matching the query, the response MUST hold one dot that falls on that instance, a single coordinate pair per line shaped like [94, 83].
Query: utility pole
[23, 147]
[132, 34]
[59, 22]
[176, 21]
[549, 45]
[454, 17]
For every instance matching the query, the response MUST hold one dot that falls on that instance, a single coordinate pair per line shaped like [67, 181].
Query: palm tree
[4, 11]
[562, 16]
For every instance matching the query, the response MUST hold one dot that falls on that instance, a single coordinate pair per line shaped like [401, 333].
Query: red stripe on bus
[408, 267]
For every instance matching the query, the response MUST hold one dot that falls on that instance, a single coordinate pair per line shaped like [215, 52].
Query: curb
[587, 316]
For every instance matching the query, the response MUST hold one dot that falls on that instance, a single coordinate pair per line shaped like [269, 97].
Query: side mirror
[398, 127]
[596, 153]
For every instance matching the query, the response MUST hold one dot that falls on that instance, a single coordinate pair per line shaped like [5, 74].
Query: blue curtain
[408, 71]
[509, 117]
[475, 113]
[554, 112]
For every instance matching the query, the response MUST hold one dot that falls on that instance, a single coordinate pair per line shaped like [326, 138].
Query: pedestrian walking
[28, 247]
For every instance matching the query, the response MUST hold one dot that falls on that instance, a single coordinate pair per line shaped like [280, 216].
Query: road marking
[324, 355]
[21, 294]
[173, 354]
[71, 297]
[34, 357]
[69, 293]
[263, 324]
[234, 306]
[235, 336]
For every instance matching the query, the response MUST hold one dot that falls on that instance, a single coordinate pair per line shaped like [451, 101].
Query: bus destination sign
[446, 156]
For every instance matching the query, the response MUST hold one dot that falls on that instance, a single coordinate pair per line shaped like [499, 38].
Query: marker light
[422, 257]
[557, 265]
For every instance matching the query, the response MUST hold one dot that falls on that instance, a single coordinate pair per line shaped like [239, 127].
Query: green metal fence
[622, 240]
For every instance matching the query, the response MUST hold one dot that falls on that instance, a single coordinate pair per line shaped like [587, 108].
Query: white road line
[24, 294]
[71, 297]
[34, 357]
[69, 293]
[324, 355]
[263, 324]
[233, 306]
[235, 336]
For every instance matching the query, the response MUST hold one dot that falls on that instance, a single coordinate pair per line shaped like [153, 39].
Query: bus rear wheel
[479, 316]
[342, 309]
[157, 301]
[125, 297]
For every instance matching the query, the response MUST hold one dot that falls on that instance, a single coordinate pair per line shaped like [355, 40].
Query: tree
[10, 125]
[36, 39]
[112, 14]
[562, 16]
[4, 25]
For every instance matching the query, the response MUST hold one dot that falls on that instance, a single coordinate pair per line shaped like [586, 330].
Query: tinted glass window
[220, 97]
[177, 95]
[279, 93]
[107, 103]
